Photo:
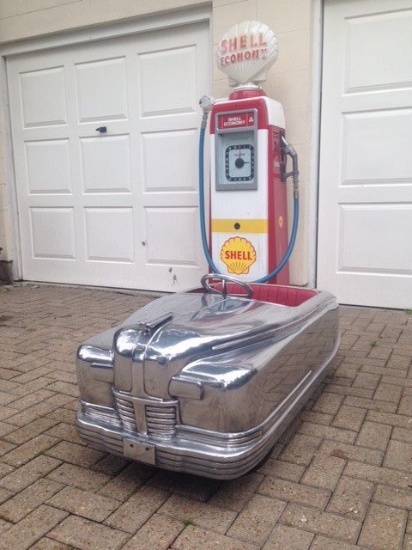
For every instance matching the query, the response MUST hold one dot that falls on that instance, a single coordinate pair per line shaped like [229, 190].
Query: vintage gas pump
[248, 199]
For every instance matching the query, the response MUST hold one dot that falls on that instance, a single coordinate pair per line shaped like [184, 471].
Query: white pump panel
[245, 156]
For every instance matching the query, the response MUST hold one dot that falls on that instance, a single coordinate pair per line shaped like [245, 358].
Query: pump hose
[295, 223]
[290, 245]
[205, 245]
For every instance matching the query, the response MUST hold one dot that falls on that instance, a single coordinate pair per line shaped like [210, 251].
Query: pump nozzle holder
[206, 103]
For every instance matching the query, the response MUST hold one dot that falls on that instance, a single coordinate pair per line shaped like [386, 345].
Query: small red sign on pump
[238, 120]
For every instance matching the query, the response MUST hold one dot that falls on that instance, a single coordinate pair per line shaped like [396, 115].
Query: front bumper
[223, 460]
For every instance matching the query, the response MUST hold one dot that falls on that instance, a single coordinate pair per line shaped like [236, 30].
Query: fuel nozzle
[290, 151]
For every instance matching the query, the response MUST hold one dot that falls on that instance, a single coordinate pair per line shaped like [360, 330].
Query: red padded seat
[290, 296]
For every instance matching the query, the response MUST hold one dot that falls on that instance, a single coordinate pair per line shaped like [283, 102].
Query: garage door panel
[168, 123]
[369, 160]
[106, 166]
[109, 234]
[48, 166]
[102, 90]
[165, 168]
[383, 100]
[365, 251]
[53, 234]
[171, 236]
[346, 288]
[172, 200]
[168, 81]
[372, 40]
[43, 98]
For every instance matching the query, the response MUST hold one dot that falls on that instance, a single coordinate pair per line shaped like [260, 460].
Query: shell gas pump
[248, 231]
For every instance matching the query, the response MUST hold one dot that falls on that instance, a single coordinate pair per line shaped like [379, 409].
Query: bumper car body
[206, 382]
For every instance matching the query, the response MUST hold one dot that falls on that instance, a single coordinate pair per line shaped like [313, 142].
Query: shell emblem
[246, 51]
[238, 254]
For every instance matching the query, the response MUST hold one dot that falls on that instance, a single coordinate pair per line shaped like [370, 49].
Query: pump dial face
[236, 160]
[240, 162]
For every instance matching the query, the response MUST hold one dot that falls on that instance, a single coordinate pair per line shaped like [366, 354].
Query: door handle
[102, 129]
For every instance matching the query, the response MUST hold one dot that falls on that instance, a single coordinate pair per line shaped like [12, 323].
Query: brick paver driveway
[341, 478]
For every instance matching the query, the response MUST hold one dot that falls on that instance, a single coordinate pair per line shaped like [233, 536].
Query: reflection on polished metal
[206, 382]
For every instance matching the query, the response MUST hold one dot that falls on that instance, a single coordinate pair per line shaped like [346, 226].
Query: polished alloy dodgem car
[206, 381]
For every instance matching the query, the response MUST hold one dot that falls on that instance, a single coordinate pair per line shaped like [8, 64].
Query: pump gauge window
[236, 160]
[240, 162]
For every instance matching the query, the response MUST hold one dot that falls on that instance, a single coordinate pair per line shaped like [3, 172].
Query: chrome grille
[126, 412]
[154, 416]
[161, 421]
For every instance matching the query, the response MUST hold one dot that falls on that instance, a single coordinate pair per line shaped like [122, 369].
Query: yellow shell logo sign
[238, 254]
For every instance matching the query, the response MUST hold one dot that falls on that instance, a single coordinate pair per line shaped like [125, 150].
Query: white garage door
[365, 206]
[105, 148]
